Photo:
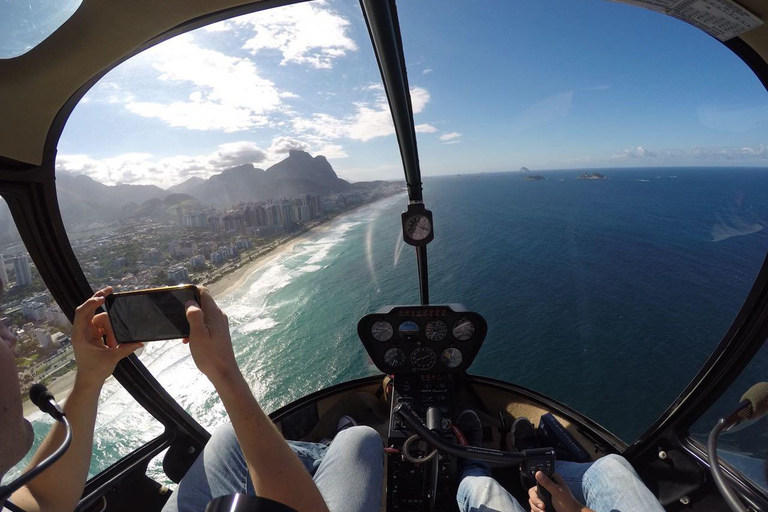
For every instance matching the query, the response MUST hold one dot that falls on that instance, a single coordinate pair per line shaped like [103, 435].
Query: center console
[429, 485]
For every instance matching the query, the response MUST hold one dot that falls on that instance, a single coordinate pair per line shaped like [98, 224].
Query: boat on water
[423, 352]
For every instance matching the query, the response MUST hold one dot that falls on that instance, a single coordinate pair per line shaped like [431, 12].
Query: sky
[496, 85]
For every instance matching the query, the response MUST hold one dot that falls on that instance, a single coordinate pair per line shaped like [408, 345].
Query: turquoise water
[607, 295]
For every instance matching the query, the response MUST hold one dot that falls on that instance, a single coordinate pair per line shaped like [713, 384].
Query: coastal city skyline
[193, 244]
[490, 92]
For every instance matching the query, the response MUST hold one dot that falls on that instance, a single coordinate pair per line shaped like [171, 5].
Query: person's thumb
[196, 319]
[126, 349]
[548, 484]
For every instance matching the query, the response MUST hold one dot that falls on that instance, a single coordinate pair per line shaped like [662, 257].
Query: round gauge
[436, 330]
[408, 329]
[418, 227]
[451, 357]
[394, 357]
[423, 358]
[463, 329]
[382, 330]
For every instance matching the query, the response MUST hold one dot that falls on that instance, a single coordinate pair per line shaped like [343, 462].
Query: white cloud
[305, 33]
[451, 142]
[637, 152]
[426, 71]
[229, 94]
[450, 136]
[371, 120]
[282, 145]
[425, 128]
[332, 151]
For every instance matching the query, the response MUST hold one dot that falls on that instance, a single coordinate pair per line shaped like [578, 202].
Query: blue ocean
[607, 295]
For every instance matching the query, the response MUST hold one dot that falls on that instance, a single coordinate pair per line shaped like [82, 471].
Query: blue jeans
[609, 484]
[348, 473]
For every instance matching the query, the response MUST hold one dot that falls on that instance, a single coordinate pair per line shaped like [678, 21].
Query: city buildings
[3, 272]
[23, 270]
[43, 337]
[178, 274]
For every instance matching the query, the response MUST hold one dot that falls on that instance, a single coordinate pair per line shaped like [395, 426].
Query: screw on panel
[191, 450]
[663, 455]
[685, 500]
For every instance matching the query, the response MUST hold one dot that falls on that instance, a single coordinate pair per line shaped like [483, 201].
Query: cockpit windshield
[598, 193]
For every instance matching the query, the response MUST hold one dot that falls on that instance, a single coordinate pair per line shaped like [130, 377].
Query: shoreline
[224, 285]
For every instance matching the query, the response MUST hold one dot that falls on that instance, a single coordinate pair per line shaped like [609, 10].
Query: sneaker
[469, 423]
[345, 422]
[523, 434]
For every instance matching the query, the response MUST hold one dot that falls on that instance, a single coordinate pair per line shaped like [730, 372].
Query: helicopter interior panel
[422, 347]
[422, 339]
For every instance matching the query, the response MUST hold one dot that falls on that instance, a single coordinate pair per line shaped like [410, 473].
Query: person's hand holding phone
[95, 358]
[209, 339]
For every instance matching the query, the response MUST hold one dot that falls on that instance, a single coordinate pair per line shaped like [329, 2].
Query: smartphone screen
[150, 315]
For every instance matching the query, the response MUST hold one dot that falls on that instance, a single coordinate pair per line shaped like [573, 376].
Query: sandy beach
[237, 277]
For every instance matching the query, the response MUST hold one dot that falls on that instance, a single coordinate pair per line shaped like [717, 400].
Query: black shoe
[523, 434]
[469, 423]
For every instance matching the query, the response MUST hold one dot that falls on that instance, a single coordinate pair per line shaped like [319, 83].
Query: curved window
[606, 294]
[594, 169]
[246, 156]
[24, 25]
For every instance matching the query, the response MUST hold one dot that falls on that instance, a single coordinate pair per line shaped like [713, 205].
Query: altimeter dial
[423, 358]
[451, 357]
[436, 330]
[382, 331]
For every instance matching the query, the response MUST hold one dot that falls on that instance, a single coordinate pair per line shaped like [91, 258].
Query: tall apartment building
[23, 270]
[3, 272]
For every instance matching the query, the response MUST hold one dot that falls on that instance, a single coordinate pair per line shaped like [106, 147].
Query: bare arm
[275, 470]
[59, 487]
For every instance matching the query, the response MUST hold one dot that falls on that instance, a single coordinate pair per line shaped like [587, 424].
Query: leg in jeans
[479, 492]
[351, 474]
[608, 484]
[221, 470]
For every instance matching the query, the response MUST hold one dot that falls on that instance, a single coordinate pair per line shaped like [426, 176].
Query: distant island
[525, 169]
[593, 176]
[534, 177]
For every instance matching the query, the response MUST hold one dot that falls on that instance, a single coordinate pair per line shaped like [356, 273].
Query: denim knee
[609, 468]
[223, 439]
[364, 439]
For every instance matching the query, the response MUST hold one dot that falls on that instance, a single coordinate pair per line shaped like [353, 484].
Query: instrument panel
[415, 339]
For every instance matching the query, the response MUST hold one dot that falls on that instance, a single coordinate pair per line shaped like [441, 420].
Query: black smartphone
[153, 314]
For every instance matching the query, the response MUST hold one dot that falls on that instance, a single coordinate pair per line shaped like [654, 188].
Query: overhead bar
[384, 30]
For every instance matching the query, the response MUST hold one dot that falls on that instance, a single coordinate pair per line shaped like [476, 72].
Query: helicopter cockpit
[589, 178]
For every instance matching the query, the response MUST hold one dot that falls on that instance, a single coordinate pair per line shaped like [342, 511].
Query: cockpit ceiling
[35, 86]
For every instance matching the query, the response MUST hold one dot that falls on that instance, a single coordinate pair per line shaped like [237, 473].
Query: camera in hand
[151, 315]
